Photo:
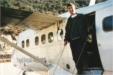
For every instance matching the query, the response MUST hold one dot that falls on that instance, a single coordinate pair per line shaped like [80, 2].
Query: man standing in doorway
[76, 34]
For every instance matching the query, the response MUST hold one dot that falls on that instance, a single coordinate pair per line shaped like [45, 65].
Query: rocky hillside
[44, 6]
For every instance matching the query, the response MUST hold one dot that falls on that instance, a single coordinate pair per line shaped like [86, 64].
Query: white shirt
[73, 16]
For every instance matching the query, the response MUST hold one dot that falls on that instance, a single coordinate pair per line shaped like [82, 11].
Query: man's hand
[65, 43]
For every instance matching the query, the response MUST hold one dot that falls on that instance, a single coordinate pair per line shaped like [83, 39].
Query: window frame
[27, 43]
[23, 44]
[50, 38]
[60, 35]
[43, 39]
[36, 40]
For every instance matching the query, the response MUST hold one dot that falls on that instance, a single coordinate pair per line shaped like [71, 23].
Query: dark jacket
[76, 27]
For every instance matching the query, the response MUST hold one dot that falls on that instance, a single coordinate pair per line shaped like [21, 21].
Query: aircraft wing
[39, 21]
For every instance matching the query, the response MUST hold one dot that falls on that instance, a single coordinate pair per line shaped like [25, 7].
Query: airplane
[40, 49]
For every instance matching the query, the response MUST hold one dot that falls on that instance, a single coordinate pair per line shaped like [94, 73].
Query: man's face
[71, 9]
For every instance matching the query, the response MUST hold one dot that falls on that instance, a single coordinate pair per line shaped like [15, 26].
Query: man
[76, 34]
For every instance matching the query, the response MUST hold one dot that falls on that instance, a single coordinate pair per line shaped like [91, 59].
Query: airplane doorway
[90, 52]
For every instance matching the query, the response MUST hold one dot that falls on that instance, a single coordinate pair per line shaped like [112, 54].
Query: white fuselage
[48, 51]
[105, 38]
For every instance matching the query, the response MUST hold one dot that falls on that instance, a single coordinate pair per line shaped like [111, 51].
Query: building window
[43, 39]
[23, 44]
[60, 34]
[36, 40]
[27, 43]
[50, 37]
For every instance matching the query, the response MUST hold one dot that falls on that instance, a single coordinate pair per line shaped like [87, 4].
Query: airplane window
[108, 24]
[23, 44]
[27, 42]
[50, 37]
[36, 40]
[43, 39]
[60, 34]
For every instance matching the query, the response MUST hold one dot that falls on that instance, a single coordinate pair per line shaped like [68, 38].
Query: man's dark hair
[70, 4]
